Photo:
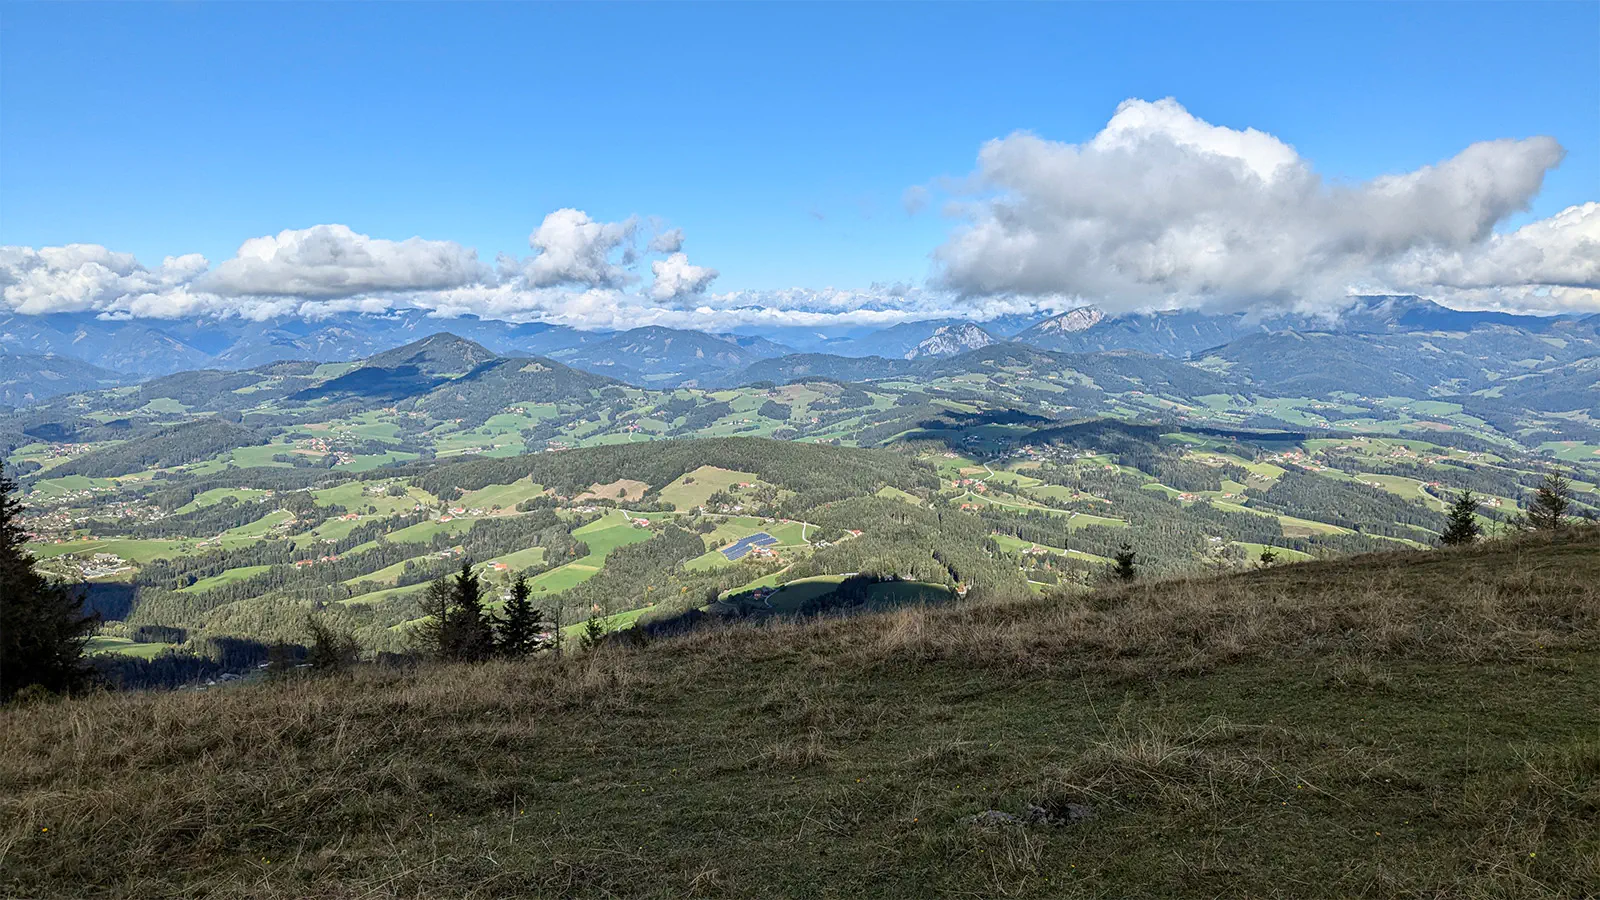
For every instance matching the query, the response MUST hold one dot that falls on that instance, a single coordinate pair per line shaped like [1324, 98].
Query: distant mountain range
[28, 378]
[1386, 332]
[949, 340]
[1537, 386]
[654, 355]
[146, 348]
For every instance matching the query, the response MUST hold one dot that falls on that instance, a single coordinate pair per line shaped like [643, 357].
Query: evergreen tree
[594, 632]
[558, 620]
[1463, 516]
[281, 658]
[519, 630]
[42, 624]
[455, 625]
[1124, 568]
[1268, 557]
[1548, 511]
[469, 630]
[331, 650]
[432, 636]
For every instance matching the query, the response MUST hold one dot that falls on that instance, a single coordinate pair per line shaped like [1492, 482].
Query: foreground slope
[1409, 724]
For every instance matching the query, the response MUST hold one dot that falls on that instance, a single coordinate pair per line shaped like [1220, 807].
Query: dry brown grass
[1518, 600]
[178, 778]
[840, 756]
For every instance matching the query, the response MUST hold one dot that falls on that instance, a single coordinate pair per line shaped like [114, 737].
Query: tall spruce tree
[1463, 527]
[1124, 566]
[432, 636]
[332, 649]
[42, 624]
[470, 630]
[519, 630]
[1551, 501]
[593, 634]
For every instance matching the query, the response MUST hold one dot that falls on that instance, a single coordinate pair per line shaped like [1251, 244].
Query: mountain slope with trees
[29, 378]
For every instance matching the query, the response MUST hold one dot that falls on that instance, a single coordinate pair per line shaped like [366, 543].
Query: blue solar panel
[738, 549]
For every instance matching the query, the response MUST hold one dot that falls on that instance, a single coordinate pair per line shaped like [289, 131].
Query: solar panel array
[744, 545]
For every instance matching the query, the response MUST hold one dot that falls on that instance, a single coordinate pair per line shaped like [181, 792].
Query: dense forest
[816, 475]
[163, 448]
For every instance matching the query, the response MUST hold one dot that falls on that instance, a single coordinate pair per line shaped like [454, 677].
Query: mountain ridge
[150, 348]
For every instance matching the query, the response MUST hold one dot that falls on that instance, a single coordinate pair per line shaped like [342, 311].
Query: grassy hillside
[1406, 724]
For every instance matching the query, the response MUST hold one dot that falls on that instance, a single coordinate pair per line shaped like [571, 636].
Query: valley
[210, 508]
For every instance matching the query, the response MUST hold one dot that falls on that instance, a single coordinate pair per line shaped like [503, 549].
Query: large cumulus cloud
[676, 277]
[574, 249]
[1161, 208]
[332, 261]
[1550, 265]
[88, 277]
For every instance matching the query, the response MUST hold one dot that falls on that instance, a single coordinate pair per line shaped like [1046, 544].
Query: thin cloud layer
[598, 308]
[1163, 209]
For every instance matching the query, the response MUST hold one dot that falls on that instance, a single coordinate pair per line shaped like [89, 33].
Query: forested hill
[1501, 385]
[29, 378]
[812, 474]
[164, 448]
[403, 372]
[498, 383]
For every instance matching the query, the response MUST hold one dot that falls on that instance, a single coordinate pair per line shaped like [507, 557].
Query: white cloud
[1563, 250]
[87, 278]
[576, 250]
[1550, 265]
[1162, 209]
[1135, 121]
[670, 241]
[1159, 209]
[293, 273]
[676, 277]
[332, 261]
[604, 308]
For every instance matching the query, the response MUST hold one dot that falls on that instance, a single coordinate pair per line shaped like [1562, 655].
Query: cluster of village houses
[103, 565]
[320, 445]
[456, 512]
[55, 524]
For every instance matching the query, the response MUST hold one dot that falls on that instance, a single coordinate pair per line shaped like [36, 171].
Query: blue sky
[779, 137]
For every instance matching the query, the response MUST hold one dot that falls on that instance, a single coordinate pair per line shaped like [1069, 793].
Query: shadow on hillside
[374, 384]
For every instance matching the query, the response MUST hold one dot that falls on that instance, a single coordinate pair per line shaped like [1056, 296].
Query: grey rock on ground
[1065, 814]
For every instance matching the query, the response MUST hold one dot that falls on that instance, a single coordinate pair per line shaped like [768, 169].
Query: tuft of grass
[795, 754]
